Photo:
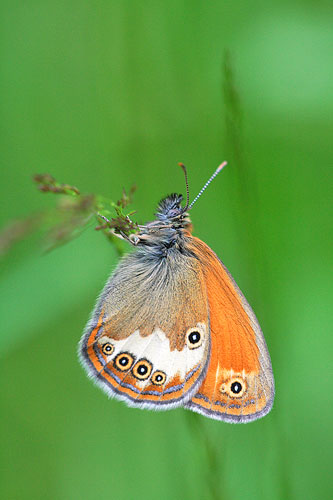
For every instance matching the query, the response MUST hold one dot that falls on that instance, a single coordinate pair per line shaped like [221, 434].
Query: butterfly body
[171, 328]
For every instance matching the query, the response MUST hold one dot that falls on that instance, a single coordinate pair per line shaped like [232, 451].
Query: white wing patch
[155, 348]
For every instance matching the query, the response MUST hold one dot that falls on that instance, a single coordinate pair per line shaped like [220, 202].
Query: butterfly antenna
[187, 190]
[217, 171]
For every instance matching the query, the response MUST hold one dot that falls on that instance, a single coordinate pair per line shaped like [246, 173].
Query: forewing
[239, 384]
[148, 340]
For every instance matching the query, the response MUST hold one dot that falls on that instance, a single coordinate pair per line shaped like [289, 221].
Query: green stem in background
[234, 145]
[246, 192]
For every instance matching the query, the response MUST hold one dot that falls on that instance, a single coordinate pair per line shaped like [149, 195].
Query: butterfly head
[170, 211]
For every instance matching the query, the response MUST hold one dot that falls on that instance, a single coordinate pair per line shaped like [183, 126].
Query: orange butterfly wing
[239, 384]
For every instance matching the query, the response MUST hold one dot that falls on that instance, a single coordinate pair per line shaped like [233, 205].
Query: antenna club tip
[222, 166]
[181, 164]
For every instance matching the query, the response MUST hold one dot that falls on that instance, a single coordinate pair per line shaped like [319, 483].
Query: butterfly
[172, 329]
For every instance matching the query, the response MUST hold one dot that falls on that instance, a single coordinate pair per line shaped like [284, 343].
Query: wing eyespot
[124, 361]
[158, 378]
[107, 349]
[234, 387]
[194, 338]
[142, 369]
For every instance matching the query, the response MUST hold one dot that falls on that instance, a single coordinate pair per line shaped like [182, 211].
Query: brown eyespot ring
[142, 369]
[235, 387]
[123, 361]
[107, 349]
[158, 378]
[194, 338]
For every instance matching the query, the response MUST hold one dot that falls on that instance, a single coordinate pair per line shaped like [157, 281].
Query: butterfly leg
[133, 239]
[104, 218]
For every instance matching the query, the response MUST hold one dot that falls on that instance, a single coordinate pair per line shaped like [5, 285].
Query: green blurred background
[104, 94]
